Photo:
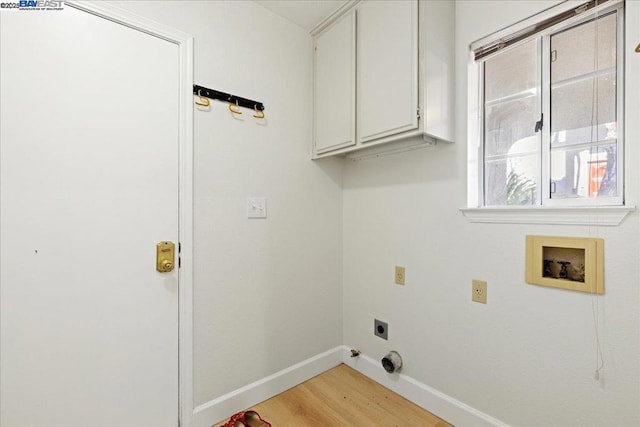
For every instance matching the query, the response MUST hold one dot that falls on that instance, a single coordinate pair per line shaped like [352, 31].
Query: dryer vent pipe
[392, 362]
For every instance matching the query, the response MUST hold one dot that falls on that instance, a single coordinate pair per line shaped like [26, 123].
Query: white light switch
[256, 207]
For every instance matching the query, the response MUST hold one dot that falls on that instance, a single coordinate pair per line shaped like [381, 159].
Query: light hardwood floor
[343, 397]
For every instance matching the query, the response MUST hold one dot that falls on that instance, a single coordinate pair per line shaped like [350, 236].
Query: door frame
[184, 42]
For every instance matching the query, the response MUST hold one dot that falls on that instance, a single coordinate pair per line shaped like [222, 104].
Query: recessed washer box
[574, 263]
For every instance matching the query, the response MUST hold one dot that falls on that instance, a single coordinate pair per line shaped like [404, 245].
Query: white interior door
[89, 145]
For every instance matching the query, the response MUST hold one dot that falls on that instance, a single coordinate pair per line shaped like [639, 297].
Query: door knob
[165, 256]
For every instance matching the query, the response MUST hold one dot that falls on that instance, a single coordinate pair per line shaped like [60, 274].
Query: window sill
[602, 215]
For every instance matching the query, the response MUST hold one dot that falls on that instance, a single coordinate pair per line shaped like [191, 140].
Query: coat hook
[638, 48]
[205, 101]
[235, 110]
[259, 114]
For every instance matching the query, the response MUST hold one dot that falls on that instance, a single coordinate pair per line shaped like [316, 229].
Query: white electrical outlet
[256, 207]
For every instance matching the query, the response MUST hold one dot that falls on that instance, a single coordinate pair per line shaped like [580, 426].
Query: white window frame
[609, 211]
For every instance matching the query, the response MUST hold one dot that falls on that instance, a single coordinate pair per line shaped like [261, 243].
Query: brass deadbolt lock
[165, 256]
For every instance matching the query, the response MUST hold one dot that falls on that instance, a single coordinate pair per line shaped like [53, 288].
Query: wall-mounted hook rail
[227, 97]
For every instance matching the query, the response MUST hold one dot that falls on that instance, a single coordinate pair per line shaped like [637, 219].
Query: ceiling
[305, 13]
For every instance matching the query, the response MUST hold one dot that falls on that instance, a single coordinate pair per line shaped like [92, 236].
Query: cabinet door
[335, 86]
[387, 76]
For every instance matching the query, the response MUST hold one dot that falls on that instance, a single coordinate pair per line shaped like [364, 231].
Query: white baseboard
[223, 407]
[442, 405]
[434, 401]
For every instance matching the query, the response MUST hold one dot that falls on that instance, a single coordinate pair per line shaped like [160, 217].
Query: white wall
[528, 356]
[267, 292]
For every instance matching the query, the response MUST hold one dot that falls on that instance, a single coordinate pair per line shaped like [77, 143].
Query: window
[549, 121]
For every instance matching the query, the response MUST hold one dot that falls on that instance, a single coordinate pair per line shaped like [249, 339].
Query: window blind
[517, 36]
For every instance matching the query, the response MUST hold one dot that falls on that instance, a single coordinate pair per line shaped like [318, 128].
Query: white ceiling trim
[304, 13]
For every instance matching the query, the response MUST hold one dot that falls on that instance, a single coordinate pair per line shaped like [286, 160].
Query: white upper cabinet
[383, 76]
[387, 76]
[334, 85]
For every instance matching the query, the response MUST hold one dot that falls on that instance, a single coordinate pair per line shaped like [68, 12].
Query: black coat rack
[227, 97]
